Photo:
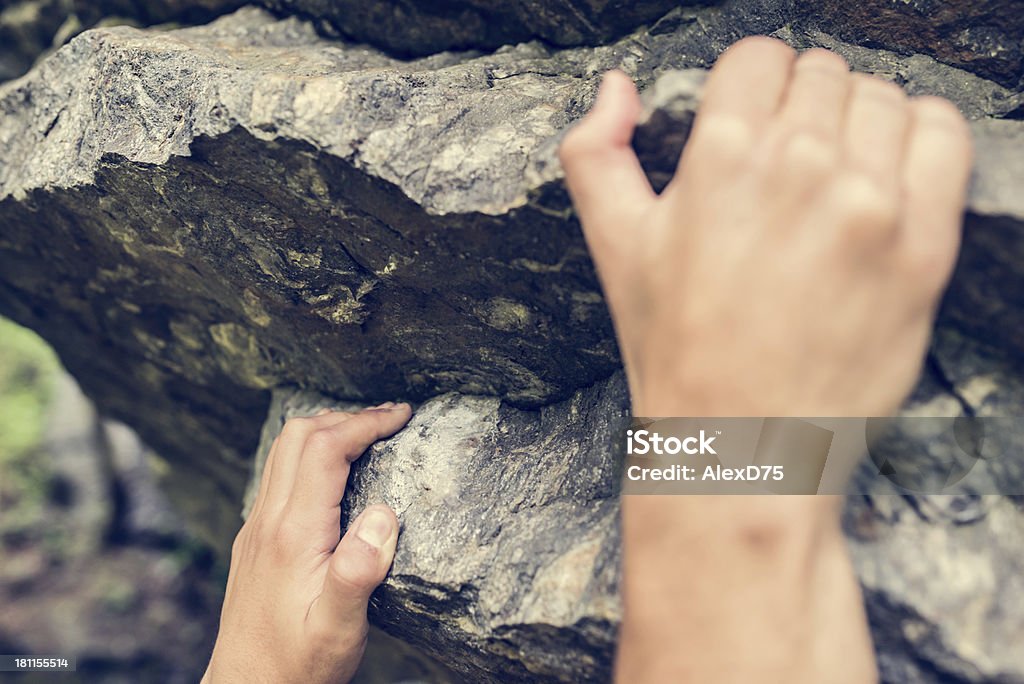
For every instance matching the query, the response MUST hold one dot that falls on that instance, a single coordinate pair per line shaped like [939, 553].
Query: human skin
[295, 605]
[792, 267]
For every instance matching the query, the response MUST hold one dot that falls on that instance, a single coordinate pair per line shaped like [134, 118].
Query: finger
[747, 83]
[267, 473]
[283, 460]
[358, 565]
[816, 99]
[324, 465]
[603, 174]
[935, 178]
[877, 121]
[742, 95]
[265, 477]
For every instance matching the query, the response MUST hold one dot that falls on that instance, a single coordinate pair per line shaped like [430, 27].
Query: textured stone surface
[983, 36]
[421, 27]
[200, 215]
[943, 574]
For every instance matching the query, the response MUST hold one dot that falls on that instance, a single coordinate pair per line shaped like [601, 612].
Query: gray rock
[942, 575]
[417, 28]
[984, 36]
[197, 216]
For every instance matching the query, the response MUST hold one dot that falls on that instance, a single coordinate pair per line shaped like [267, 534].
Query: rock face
[198, 218]
[417, 28]
[984, 37]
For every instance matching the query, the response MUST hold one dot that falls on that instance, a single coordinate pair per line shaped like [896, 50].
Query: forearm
[739, 589]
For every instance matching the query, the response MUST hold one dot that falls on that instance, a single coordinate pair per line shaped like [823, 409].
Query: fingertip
[930, 110]
[615, 84]
[825, 60]
[373, 424]
[758, 47]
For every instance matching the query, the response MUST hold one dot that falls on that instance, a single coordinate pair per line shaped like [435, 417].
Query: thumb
[359, 564]
[605, 179]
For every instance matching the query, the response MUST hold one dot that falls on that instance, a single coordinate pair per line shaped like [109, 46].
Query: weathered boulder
[985, 37]
[417, 28]
[942, 574]
[196, 217]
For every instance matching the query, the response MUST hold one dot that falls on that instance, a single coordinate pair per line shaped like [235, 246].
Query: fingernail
[386, 405]
[323, 412]
[375, 527]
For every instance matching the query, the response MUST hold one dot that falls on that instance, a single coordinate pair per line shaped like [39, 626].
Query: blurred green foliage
[28, 371]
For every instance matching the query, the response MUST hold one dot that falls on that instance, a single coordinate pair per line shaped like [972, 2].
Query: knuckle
[294, 428]
[806, 152]
[722, 136]
[862, 205]
[358, 573]
[577, 143]
[323, 442]
[286, 539]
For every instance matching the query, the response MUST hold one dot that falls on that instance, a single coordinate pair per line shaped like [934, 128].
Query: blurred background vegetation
[94, 562]
[28, 373]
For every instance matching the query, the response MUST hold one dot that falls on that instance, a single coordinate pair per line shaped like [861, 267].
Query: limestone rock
[197, 216]
[985, 37]
[416, 27]
[982, 37]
